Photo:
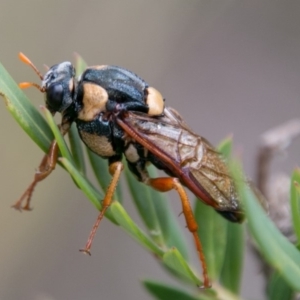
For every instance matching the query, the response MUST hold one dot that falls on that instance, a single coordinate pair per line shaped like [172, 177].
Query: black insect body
[117, 113]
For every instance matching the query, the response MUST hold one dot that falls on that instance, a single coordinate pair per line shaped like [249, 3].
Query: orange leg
[115, 170]
[46, 166]
[165, 184]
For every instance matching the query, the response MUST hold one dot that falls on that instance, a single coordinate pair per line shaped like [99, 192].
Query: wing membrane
[185, 155]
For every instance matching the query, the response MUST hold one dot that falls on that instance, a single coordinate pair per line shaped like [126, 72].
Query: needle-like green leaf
[156, 213]
[277, 250]
[212, 230]
[231, 274]
[166, 292]
[142, 199]
[222, 242]
[76, 148]
[87, 188]
[225, 147]
[175, 261]
[173, 234]
[100, 168]
[295, 202]
[123, 219]
[80, 64]
[278, 289]
[24, 112]
[232, 267]
[64, 150]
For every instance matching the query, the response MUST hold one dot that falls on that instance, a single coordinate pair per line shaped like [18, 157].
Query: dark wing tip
[232, 216]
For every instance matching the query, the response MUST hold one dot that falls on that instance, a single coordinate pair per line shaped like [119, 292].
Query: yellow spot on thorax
[155, 102]
[94, 100]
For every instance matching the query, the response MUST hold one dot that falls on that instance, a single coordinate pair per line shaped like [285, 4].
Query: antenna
[27, 61]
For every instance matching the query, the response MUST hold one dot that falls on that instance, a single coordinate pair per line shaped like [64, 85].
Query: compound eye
[52, 76]
[55, 97]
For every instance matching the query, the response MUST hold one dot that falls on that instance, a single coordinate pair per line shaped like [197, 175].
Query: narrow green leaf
[28, 117]
[87, 188]
[166, 292]
[297, 186]
[277, 250]
[295, 202]
[172, 232]
[90, 192]
[123, 219]
[175, 261]
[76, 149]
[100, 168]
[278, 289]
[142, 199]
[80, 64]
[156, 213]
[212, 230]
[221, 240]
[225, 147]
[64, 150]
[231, 275]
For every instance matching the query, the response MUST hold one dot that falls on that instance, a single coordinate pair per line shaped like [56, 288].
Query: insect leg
[46, 166]
[165, 184]
[115, 170]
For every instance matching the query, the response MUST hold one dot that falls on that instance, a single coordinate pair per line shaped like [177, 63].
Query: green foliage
[28, 117]
[283, 256]
[223, 243]
[165, 292]
[278, 288]
[295, 202]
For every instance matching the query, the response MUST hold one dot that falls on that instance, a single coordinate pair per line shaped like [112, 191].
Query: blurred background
[229, 67]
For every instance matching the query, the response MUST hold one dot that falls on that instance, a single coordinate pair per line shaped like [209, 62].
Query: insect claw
[86, 251]
[27, 207]
[17, 206]
[205, 285]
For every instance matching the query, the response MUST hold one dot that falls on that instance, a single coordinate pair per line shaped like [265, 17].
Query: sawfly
[118, 114]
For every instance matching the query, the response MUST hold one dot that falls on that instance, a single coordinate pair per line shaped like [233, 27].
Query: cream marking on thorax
[155, 102]
[94, 100]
